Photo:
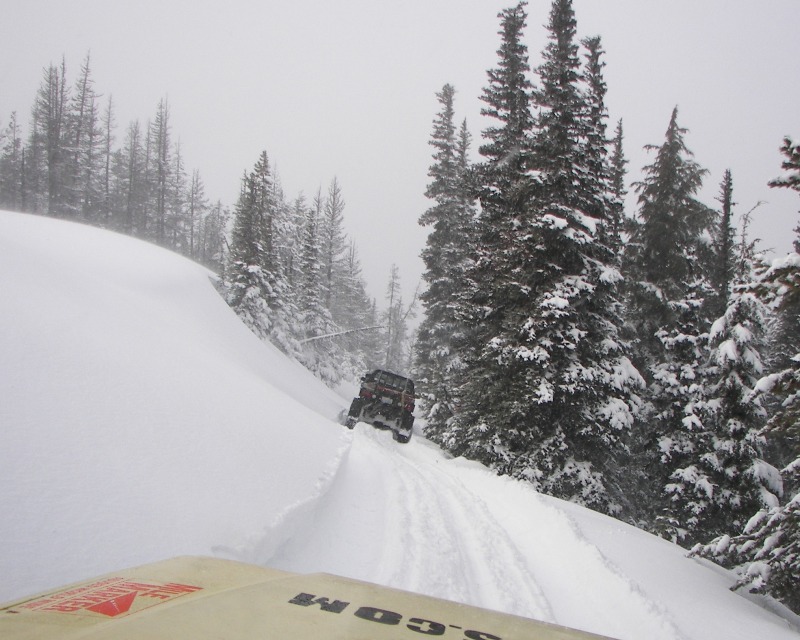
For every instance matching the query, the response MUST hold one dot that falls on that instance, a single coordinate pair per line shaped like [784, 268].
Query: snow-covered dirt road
[417, 528]
[406, 516]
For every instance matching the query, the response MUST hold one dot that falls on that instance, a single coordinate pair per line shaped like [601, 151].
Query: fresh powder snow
[141, 420]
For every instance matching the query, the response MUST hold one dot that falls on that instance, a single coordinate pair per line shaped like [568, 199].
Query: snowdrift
[141, 420]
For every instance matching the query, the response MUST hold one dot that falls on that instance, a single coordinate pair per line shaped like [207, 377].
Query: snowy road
[406, 516]
[417, 528]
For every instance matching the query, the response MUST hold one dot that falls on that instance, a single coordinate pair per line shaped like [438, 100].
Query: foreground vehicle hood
[203, 598]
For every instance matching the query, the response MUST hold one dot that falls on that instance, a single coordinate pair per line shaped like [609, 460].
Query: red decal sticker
[116, 606]
[111, 598]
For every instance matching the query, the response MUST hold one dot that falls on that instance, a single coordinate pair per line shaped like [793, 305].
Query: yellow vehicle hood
[203, 598]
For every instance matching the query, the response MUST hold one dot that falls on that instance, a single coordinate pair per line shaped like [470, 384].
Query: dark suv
[386, 401]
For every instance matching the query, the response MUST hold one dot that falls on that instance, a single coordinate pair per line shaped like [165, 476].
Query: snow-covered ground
[139, 420]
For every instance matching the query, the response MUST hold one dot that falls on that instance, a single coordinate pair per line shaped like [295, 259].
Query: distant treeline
[69, 165]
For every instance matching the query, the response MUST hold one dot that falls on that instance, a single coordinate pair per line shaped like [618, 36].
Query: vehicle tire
[407, 421]
[355, 408]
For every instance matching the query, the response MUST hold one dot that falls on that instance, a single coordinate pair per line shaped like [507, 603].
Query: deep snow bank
[139, 418]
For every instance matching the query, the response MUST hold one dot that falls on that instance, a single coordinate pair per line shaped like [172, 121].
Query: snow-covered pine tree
[489, 388]
[549, 389]
[785, 335]
[47, 149]
[766, 555]
[724, 248]
[446, 255]
[196, 211]
[357, 318]
[582, 386]
[11, 166]
[314, 317]
[722, 479]
[371, 345]
[791, 178]
[159, 158]
[395, 327]
[246, 286]
[332, 246]
[212, 238]
[336, 291]
[668, 262]
[83, 138]
[618, 223]
[662, 258]
[395, 319]
[131, 180]
[742, 481]
[255, 285]
[176, 226]
[105, 207]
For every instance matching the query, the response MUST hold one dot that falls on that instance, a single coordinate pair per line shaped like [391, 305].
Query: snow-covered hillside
[139, 419]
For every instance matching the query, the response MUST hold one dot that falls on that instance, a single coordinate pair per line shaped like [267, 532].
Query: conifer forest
[642, 363]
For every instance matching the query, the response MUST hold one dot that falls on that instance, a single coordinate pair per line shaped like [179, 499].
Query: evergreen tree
[212, 236]
[766, 554]
[550, 391]
[668, 264]
[108, 123]
[332, 245]
[618, 224]
[396, 321]
[447, 257]
[46, 162]
[584, 400]
[247, 287]
[664, 255]
[608, 172]
[131, 178]
[309, 298]
[314, 316]
[790, 179]
[81, 184]
[395, 328]
[175, 214]
[292, 243]
[196, 208]
[724, 247]
[363, 341]
[11, 165]
[723, 480]
[493, 288]
[159, 168]
[255, 286]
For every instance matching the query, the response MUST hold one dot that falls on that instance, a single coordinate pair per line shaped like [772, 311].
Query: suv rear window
[398, 383]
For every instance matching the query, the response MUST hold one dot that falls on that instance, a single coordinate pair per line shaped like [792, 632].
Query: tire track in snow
[391, 519]
[592, 593]
[459, 551]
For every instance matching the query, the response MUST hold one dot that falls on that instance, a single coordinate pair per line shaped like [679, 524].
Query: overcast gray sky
[346, 88]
